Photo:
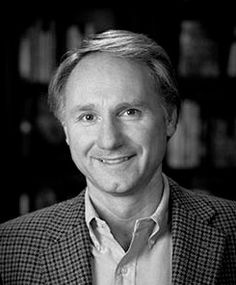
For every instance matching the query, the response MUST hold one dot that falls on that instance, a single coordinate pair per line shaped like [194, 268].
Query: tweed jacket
[52, 245]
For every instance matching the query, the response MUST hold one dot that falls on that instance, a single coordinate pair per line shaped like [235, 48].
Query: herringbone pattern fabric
[52, 246]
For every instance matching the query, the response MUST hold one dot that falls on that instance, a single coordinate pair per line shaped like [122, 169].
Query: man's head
[122, 44]
[116, 111]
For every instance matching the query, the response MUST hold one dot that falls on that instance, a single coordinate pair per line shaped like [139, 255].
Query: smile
[114, 161]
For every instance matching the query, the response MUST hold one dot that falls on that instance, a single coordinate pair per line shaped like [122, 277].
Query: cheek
[155, 140]
[78, 150]
[77, 140]
[152, 132]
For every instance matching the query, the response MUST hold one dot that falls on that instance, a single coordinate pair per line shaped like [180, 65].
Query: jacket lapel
[197, 245]
[67, 259]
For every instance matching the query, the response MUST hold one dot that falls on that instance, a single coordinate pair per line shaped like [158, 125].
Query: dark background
[39, 167]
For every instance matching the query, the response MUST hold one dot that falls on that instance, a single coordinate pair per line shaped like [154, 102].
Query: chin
[117, 188]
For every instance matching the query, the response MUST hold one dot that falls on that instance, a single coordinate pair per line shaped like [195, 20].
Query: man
[118, 103]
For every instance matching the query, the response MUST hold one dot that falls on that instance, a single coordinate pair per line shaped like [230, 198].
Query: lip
[115, 160]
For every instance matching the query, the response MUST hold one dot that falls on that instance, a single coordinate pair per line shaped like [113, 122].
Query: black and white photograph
[119, 144]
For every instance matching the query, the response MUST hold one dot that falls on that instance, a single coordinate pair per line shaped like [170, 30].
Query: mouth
[114, 161]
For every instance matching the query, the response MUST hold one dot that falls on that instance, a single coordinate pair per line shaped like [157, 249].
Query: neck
[121, 212]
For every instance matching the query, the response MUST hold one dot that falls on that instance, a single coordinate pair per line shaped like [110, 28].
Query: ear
[171, 123]
[66, 133]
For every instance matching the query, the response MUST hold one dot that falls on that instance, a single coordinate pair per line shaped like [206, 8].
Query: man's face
[114, 124]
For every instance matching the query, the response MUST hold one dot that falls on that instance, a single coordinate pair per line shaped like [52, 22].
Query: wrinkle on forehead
[104, 64]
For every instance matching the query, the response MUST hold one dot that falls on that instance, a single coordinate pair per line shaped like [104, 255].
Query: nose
[110, 135]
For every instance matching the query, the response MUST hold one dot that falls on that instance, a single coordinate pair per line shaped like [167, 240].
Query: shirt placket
[125, 273]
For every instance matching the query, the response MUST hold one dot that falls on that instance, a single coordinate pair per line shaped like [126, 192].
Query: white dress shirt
[148, 259]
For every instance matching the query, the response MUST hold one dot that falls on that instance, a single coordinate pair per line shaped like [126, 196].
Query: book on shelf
[198, 138]
[73, 37]
[37, 53]
[231, 68]
[199, 52]
[185, 148]
[223, 142]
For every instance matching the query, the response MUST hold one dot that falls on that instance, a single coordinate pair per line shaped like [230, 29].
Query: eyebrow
[135, 103]
[88, 107]
[81, 108]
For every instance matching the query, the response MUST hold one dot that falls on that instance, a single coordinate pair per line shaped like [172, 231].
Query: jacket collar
[189, 202]
[66, 216]
[197, 245]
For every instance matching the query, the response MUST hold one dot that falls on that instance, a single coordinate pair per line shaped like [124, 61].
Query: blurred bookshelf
[201, 155]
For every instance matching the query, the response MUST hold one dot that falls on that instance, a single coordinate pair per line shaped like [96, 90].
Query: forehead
[105, 82]
[102, 68]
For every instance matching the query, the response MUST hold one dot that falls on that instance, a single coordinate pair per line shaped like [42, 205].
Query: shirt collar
[90, 212]
[162, 209]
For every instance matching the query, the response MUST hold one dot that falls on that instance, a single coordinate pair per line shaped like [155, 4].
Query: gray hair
[124, 44]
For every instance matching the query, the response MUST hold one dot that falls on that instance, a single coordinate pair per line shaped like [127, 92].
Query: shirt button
[97, 245]
[103, 224]
[151, 243]
[103, 249]
[124, 270]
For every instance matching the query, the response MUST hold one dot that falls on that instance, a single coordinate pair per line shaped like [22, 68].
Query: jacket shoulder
[221, 212]
[225, 212]
[35, 223]
[24, 239]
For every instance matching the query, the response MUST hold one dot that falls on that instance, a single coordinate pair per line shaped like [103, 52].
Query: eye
[132, 113]
[87, 117]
